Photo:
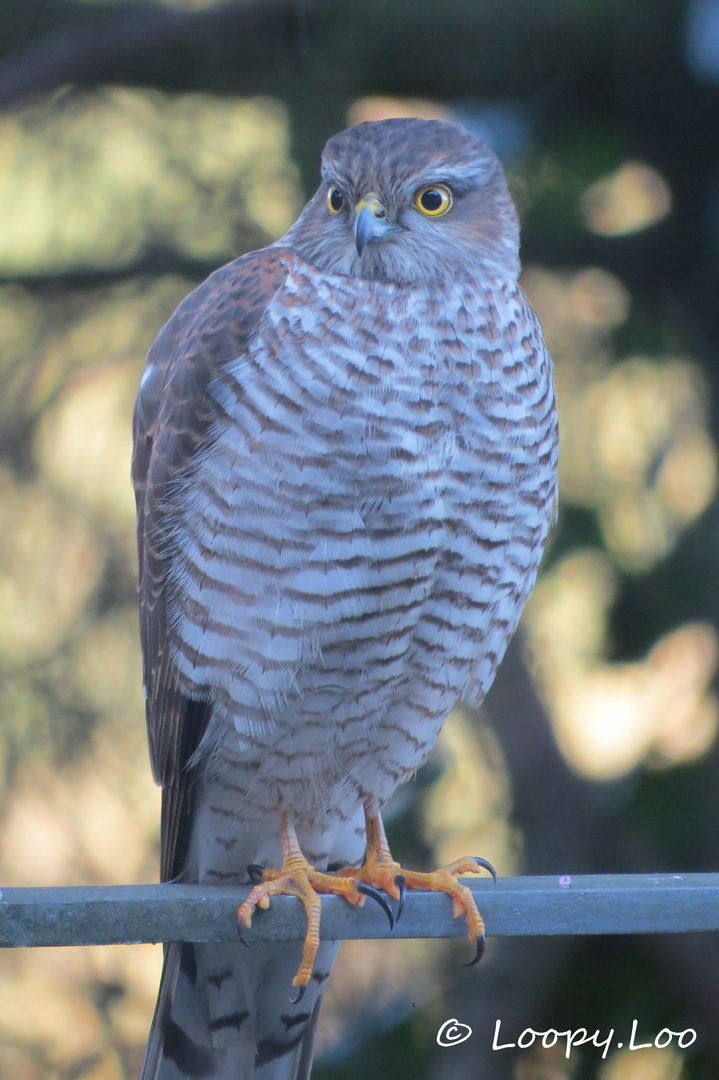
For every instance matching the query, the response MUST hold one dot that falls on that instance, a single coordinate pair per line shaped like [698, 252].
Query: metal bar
[105, 915]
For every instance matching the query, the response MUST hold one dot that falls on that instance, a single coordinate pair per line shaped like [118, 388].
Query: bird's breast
[375, 499]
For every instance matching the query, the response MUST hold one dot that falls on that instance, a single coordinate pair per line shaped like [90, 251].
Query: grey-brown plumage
[345, 468]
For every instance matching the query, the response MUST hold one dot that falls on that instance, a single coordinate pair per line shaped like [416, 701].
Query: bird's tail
[227, 1013]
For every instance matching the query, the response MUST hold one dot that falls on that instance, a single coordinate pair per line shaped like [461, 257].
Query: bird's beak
[370, 221]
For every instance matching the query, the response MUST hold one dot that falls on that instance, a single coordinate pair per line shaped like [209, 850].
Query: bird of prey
[345, 469]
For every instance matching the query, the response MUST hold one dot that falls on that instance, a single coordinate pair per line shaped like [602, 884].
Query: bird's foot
[298, 878]
[381, 871]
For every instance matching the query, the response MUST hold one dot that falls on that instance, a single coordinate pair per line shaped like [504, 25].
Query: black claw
[375, 894]
[401, 883]
[300, 995]
[255, 872]
[239, 934]
[481, 943]
[487, 866]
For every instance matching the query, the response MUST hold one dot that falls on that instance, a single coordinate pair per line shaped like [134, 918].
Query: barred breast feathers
[340, 502]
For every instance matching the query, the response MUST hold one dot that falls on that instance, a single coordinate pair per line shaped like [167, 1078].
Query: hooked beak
[370, 221]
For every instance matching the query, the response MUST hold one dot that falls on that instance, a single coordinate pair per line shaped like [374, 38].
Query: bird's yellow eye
[433, 201]
[335, 200]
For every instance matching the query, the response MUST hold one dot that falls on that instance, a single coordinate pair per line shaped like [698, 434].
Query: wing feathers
[173, 423]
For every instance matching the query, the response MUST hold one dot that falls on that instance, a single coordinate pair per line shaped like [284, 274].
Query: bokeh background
[144, 143]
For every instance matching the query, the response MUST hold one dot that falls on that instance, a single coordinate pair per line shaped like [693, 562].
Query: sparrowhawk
[345, 469]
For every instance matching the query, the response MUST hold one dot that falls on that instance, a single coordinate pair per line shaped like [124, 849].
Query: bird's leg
[298, 878]
[381, 871]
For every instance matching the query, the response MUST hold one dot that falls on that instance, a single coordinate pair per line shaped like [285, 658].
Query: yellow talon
[298, 878]
[383, 872]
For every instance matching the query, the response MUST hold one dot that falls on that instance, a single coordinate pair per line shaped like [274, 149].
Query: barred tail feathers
[225, 1013]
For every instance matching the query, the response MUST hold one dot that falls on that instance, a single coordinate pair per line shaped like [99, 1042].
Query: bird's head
[407, 201]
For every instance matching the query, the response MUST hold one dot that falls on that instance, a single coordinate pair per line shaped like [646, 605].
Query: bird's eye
[335, 200]
[433, 201]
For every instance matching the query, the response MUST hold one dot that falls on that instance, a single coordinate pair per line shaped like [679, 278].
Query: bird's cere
[370, 221]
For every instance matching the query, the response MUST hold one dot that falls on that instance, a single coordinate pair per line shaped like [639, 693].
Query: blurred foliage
[94, 180]
[114, 201]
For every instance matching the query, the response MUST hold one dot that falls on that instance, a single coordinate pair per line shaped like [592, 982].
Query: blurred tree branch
[317, 58]
[51, 45]
[154, 262]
